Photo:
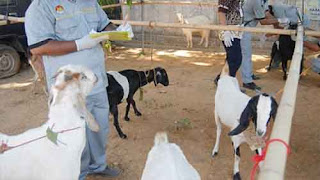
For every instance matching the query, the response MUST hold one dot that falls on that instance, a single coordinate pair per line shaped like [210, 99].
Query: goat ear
[91, 122]
[274, 108]
[50, 99]
[244, 122]
[155, 75]
[54, 96]
[248, 113]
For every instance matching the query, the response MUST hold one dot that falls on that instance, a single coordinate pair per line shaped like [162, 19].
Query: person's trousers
[246, 66]
[93, 157]
[234, 56]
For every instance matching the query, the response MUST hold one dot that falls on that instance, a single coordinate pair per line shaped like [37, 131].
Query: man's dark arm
[311, 46]
[110, 27]
[54, 48]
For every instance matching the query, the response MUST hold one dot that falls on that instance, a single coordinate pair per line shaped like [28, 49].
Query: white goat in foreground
[166, 161]
[196, 20]
[43, 159]
[235, 110]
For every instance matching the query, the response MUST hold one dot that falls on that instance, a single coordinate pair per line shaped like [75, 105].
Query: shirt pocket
[66, 28]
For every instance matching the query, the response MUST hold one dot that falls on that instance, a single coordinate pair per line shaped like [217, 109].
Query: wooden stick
[11, 18]
[119, 4]
[178, 25]
[3, 22]
[187, 3]
[211, 27]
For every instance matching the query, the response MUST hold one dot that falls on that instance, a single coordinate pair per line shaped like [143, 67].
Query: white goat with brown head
[196, 20]
[32, 155]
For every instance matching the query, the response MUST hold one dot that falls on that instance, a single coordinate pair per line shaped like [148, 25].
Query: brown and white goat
[33, 154]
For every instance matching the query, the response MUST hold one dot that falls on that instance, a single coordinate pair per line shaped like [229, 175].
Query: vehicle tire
[9, 61]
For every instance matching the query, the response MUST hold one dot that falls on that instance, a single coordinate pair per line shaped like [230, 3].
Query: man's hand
[126, 27]
[283, 22]
[87, 42]
[227, 38]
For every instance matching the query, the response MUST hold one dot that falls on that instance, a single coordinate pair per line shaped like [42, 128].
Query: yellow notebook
[113, 35]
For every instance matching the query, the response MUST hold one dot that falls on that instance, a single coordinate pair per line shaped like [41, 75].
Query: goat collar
[146, 75]
[155, 77]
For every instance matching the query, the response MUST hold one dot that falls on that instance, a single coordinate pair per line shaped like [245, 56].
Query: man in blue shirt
[254, 11]
[59, 32]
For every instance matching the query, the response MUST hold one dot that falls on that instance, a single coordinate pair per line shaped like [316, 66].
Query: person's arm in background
[110, 27]
[312, 46]
[262, 14]
[269, 20]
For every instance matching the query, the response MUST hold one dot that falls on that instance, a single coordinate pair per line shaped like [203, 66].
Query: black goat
[136, 79]
[284, 51]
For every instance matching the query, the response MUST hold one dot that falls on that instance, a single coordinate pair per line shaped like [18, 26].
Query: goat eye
[83, 76]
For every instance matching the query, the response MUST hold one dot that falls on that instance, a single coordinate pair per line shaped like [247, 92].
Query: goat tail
[225, 70]
[160, 138]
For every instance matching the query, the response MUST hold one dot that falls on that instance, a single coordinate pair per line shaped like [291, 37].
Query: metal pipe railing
[276, 157]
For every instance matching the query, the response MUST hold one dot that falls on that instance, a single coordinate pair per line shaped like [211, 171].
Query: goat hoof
[236, 176]
[214, 154]
[126, 118]
[284, 77]
[123, 136]
[268, 68]
[138, 113]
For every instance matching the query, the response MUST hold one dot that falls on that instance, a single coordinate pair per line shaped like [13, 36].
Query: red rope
[4, 146]
[257, 158]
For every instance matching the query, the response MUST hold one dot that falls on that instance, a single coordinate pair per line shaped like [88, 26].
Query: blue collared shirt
[64, 20]
[253, 11]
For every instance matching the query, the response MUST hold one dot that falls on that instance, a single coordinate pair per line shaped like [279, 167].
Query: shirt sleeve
[223, 6]
[259, 9]
[104, 20]
[39, 24]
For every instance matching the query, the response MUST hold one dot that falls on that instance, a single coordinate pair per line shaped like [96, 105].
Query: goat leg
[301, 65]
[218, 124]
[236, 146]
[284, 69]
[271, 61]
[127, 110]
[202, 39]
[207, 41]
[135, 108]
[114, 112]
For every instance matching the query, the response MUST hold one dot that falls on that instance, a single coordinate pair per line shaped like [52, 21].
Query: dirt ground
[189, 97]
